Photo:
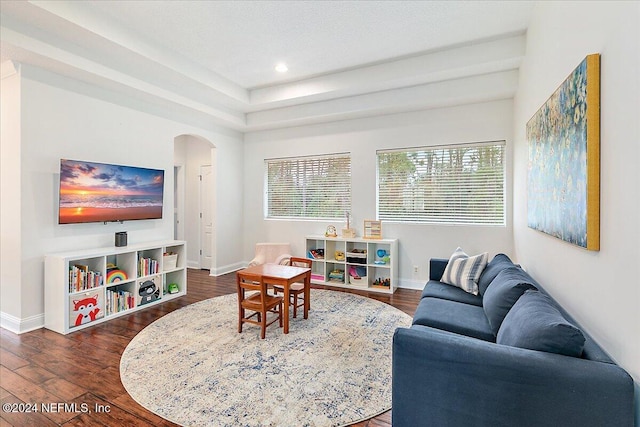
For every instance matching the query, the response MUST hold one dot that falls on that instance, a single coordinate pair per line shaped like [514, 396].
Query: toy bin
[358, 276]
[169, 261]
[357, 257]
[359, 281]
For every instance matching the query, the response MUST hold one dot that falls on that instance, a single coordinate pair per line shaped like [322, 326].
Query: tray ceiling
[216, 59]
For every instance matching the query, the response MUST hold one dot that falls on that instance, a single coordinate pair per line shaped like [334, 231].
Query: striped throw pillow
[464, 271]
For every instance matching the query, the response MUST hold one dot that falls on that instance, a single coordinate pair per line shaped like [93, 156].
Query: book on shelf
[148, 266]
[119, 300]
[82, 268]
[81, 278]
[317, 277]
[316, 253]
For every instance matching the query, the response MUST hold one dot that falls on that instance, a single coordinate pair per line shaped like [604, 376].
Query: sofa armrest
[440, 378]
[436, 268]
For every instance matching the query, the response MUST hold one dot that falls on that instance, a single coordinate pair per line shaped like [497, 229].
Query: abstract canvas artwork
[563, 183]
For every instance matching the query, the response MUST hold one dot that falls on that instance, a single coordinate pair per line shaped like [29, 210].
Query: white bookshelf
[375, 267]
[69, 299]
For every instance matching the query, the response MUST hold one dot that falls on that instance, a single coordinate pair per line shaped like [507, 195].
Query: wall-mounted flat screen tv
[101, 192]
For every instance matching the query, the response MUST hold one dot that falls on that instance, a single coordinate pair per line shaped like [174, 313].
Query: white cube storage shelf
[376, 270]
[82, 288]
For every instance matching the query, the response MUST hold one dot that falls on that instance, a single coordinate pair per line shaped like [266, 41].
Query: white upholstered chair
[271, 253]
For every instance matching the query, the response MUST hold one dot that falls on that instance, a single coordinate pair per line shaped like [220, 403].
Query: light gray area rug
[192, 366]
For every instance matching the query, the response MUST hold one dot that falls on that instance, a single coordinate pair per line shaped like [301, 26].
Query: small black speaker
[121, 238]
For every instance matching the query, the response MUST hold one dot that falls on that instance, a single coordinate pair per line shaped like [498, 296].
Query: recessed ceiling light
[282, 67]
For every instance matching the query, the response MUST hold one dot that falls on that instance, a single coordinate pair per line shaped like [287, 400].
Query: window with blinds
[457, 184]
[308, 187]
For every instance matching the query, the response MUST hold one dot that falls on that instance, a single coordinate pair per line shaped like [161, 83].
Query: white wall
[10, 186]
[229, 207]
[179, 202]
[417, 243]
[601, 289]
[58, 122]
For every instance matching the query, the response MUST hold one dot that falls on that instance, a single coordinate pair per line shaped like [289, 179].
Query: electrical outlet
[415, 269]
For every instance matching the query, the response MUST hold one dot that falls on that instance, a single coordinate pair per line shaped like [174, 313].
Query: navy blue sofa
[451, 369]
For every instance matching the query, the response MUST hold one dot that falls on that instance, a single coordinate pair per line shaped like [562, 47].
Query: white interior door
[206, 216]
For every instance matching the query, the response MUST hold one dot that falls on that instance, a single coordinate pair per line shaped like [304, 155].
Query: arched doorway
[195, 199]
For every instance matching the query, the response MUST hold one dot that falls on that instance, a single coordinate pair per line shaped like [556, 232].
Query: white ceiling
[214, 60]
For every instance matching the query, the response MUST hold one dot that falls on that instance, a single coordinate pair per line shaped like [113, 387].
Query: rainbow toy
[115, 275]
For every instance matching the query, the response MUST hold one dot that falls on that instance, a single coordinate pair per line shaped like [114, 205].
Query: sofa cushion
[503, 292]
[536, 324]
[497, 264]
[453, 293]
[452, 316]
[464, 271]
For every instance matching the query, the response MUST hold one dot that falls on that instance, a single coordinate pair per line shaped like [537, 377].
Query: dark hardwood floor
[76, 377]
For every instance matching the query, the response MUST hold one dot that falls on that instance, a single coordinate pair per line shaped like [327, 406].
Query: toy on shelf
[372, 229]
[331, 232]
[348, 232]
[339, 255]
[383, 256]
[114, 274]
[336, 275]
[382, 282]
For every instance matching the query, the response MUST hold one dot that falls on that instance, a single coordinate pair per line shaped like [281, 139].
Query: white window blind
[457, 184]
[309, 187]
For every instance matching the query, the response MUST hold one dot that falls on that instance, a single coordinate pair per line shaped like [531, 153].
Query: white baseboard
[412, 284]
[219, 270]
[20, 326]
[227, 269]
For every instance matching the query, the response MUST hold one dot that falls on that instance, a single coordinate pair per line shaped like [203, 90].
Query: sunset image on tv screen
[98, 192]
